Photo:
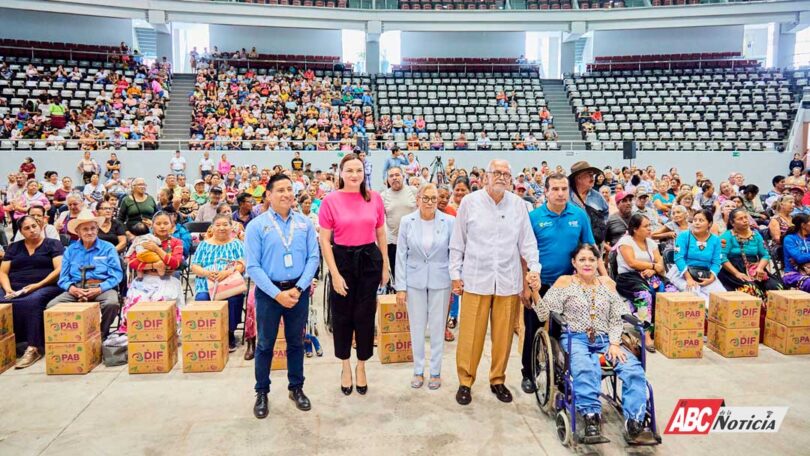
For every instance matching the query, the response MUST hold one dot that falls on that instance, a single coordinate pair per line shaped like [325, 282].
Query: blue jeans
[234, 311]
[454, 306]
[587, 375]
[268, 316]
[311, 342]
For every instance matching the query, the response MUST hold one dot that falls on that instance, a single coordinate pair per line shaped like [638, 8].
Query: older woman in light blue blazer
[423, 280]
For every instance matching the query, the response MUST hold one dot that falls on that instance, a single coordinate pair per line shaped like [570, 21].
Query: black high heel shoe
[361, 389]
[347, 390]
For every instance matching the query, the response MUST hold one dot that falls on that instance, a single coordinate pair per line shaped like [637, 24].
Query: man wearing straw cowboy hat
[91, 270]
[581, 181]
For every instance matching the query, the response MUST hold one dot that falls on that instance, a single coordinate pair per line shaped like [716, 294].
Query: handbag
[632, 344]
[231, 286]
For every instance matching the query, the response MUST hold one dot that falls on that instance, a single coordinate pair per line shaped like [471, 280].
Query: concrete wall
[758, 167]
[276, 40]
[668, 40]
[65, 28]
[463, 44]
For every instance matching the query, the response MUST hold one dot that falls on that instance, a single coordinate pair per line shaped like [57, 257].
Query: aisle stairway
[178, 111]
[564, 120]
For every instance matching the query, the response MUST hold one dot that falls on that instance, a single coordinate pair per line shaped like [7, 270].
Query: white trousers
[679, 281]
[427, 311]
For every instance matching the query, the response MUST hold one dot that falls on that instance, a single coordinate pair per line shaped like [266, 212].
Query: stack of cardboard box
[280, 349]
[205, 336]
[152, 335]
[787, 327]
[734, 324]
[679, 321]
[72, 338]
[8, 343]
[394, 331]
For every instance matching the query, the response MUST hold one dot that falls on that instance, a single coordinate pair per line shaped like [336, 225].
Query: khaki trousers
[476, 312]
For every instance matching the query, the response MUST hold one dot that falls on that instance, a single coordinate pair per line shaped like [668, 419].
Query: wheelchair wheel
[543, 371]
[327, 305]
[563, 424]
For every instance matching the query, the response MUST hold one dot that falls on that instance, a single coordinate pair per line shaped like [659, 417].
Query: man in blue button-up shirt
[281, 249]
[99, 284]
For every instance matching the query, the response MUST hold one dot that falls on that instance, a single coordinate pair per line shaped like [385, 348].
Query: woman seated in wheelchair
[592, 309]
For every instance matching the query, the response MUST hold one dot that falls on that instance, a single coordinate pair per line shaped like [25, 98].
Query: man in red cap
[618, 221]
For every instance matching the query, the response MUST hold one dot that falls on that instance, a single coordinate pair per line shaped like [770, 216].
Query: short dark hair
[37, 207]
[242, 197]
[707, 213]
[582, 247]
[635, 223]
[776, 179]
[555, 176]
[751, 189]
[733, 214]
[275, 178]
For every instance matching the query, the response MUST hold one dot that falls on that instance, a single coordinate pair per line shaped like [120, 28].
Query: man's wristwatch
[300, 290]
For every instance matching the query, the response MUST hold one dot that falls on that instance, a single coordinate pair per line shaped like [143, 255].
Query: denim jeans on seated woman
[234, 311]
[587, 374]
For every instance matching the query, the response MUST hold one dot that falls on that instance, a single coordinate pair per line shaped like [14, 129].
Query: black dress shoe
[301, 400]
[634, 428]
[361, 389]
[260, 408]
[463, 396]
[528, 386]
[501, 392]
[250, 351]
[593, 425]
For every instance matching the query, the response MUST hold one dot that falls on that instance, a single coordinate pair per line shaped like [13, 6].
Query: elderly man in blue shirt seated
[91, 270]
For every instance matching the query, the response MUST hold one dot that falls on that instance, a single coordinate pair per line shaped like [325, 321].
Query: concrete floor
[111, 412]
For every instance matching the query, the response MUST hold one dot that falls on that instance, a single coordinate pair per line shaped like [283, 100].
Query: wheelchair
[555, 385]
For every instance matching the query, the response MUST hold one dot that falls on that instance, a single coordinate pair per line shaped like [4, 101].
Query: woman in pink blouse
[357, 259]
[224, 166]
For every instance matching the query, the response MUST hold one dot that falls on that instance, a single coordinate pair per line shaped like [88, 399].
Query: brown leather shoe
[30, 356]
[250, 351]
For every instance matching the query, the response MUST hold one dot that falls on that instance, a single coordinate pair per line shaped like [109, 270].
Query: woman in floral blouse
[593, 310]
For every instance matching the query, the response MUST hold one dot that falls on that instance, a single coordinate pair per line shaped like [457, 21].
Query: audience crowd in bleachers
[105, 101]
[283, 110]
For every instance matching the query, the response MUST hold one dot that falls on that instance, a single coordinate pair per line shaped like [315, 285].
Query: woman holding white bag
[219, 265]
[423, 280]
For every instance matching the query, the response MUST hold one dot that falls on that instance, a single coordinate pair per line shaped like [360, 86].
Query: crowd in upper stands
[96, 107]
[286, 110]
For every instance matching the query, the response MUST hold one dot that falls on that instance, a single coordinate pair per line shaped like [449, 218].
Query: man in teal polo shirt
[559, 226]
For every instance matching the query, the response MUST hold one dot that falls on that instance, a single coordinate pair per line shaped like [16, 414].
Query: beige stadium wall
[758, 167]
[64, 28]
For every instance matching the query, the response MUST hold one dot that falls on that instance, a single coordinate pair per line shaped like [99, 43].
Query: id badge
[288, 260]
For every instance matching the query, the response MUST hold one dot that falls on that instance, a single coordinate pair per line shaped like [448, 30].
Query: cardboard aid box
[679, 311]
[395, 348]
[152, 321]
[789, 307]
[152, 357]
[393, 318]
[72, 322]
[73, 357]
[205, 321]
[6, 320]
[204, 356]
[8, 352]
[734, 309]
[734, 343]
[679, 343]
[787, 340]
[279, 355]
